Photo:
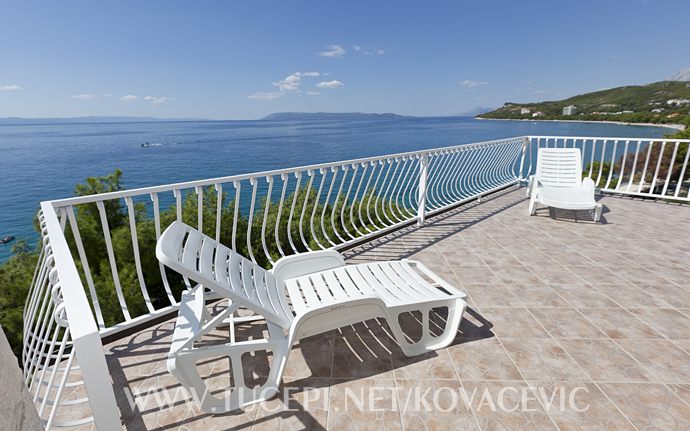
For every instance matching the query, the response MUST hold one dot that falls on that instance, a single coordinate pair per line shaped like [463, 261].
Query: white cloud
[266, 96]
[368, 50]
[157, 100]
[330, 84]
[538, 91]
[129, 98]
[332, 51]
[468, 83]
[289, 83]
[313, 93]
[12, 87]
[107, 95]
[84, 96]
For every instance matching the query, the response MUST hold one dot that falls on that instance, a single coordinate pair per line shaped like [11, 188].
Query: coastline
[678, 127]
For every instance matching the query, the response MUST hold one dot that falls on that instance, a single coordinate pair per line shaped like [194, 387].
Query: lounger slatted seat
[558, 182]
[304, 295]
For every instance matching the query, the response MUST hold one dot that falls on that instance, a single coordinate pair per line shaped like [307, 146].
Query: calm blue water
[41, 162]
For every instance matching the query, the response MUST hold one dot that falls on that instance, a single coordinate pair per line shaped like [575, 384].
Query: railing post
[423, 175]
[525, 144]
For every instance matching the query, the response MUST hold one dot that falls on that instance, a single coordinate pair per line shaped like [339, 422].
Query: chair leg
[428, 342]
[597, 212]
[532, 206]
[183, 366]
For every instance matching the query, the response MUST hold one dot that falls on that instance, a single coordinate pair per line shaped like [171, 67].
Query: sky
[245, 59]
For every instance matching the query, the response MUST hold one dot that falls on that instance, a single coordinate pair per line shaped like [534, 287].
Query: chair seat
[569, 198]
[397, 283]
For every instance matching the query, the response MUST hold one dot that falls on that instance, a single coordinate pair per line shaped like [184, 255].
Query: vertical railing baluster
[424, 172]
[623, 160]
[310, 173]
[366, 192]
[236, 214]
[254, 183]
[343, 222]
[334, 170]
[161, 267]
[322, 171]
[670, 169]
[613, 164]
[111, 259]
[85, 266]
[269, 179]
[284, 178]
[373, 191]
[682, 172]
[137, 257]
[646, 164]
[345, 169]
[199, 208]
[658, 165]
[358, 199]
[178, 203]
[219, 208]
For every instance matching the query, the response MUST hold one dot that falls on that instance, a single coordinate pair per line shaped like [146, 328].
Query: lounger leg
[183, 366]
[428, 342]
[530, 184]
[597, 213]
[532, 206]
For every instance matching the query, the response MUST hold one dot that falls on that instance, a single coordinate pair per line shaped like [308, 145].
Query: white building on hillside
[524, 111]
[569, 110]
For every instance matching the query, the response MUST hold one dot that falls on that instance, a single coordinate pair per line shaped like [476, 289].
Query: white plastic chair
[558, 182]
[305, 294]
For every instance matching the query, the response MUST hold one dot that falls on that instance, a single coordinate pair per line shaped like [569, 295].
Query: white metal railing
[74, 299]
[271, 214]
[62, 357]
[645, 167]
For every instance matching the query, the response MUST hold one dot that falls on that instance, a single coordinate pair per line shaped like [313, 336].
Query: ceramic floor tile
[649, 406]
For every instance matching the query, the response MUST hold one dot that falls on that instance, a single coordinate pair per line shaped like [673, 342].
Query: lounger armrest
[297, 265]
[588, 184]
[435, 277]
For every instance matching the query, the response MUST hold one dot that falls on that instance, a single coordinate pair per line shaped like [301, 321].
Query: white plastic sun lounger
[305, 294]
[558, 182]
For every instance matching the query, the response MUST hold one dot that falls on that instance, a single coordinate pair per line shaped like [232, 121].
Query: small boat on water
[7, 239]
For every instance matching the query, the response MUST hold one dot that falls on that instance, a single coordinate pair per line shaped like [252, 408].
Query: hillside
[651, 103]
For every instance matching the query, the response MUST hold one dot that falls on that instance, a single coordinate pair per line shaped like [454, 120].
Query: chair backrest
[559, 167]
[226, 272]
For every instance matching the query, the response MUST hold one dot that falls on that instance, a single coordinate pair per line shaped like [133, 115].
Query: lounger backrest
[559, 167]
[226, 272]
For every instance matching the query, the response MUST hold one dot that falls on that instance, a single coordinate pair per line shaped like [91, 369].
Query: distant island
[305, 116]
[664, 102]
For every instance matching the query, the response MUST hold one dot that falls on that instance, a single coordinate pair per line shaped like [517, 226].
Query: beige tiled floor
[557, 305]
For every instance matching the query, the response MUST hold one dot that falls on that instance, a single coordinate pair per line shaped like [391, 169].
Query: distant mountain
[7, 121]
[475, 111]
[658, 102]
[681, 75]
[307, 116]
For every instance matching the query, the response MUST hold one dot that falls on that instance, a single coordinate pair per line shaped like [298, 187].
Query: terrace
[562, 313]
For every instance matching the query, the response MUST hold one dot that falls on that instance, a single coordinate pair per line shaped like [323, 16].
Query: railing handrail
[604, 138]
[60, 203]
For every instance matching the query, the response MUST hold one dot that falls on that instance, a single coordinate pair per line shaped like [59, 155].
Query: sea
[45, 161]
